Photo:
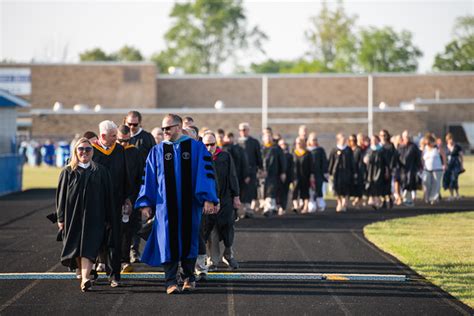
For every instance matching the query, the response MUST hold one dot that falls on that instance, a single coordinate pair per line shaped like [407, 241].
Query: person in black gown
[341, 169]
[359, 170]
[84, 210]
[303, 176]
[377, 172]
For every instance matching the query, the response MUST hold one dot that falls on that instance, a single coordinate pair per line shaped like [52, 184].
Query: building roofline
[311, 75]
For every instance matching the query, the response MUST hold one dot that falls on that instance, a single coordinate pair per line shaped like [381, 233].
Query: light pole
[264, 102]
[370, 105]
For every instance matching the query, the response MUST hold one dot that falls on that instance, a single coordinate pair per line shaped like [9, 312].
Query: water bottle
[125, 216]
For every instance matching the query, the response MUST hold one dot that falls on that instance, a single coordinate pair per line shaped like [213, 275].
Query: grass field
[440, 247]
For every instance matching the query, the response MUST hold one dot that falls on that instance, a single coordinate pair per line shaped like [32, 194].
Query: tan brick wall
[104, 84]
[205, 92]
[91, 84]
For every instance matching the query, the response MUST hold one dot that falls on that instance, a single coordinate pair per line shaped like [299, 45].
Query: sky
[57, 31]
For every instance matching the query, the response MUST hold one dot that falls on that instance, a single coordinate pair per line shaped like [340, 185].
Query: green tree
[207, 33]
[272, 66]
[95, 54]
[458, 55]
[331, 38]
[384, 50]
[127, 53]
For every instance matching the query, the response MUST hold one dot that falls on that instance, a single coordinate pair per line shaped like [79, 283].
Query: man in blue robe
[179, 184]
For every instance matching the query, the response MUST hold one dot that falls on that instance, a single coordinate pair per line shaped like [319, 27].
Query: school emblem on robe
[168, 156]
[186, 155]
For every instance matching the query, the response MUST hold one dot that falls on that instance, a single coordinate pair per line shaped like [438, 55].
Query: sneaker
[281, 212]
[114, 283]
[249, 215]
[126, 267]
[188, 285]
[173, 289]
[134, 256]
[231, 262]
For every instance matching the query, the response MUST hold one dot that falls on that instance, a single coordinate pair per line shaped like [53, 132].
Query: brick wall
[113, 85]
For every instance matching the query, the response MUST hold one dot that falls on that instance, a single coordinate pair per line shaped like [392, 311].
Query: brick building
[326, 103]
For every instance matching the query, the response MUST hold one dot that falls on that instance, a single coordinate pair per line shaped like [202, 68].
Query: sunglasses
[123, 140]
[86, 149]
[167, 128]
[132, 124]
[210, 145]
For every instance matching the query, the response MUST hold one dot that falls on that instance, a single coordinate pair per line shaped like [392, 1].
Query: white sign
[16, 80]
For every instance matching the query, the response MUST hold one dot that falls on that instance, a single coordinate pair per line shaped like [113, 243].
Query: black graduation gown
[341, 168]
[135, 170]
[275, 166]
[360, 169]
[377, 170]
[302, 171]
[255, 162]
[320, 168]
[282, 196]
[409, 159]
[114, 161]
[390, 155]
[240, 161]
[144, 141]
[227, 189]
[84, 204]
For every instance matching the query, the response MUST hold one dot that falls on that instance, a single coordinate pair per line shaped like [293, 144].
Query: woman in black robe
[409, 161]
[358, 187]
[83, 206]
[303, 176]
[390, 153]
[377, 172]
[341, 169]
[454, 167]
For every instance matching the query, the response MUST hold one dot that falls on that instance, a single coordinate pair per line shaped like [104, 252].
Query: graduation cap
[53, 217]
[145, 231]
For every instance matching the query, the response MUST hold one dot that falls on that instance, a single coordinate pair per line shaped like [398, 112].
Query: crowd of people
[182, 189]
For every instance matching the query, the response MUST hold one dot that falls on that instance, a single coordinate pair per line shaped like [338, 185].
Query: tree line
[205, 34]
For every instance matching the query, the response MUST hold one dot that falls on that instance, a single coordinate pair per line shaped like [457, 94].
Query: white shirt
[84, 165]
[432, 159]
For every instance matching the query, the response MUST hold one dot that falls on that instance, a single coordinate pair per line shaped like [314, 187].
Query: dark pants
[202, 242]
[126, 233]
[136, 225]
[171, 270]
[111, 258]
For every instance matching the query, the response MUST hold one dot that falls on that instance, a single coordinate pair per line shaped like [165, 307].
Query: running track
[325, 244]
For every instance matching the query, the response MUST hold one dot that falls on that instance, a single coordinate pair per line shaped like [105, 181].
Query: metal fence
[11, 172]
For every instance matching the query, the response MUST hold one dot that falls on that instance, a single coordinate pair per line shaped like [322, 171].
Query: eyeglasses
[86, 149]
[210, 145]
[132, 124]
[123, 140]
[167, 128]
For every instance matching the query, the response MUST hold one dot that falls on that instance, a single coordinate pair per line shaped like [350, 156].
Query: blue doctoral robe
[179, 177]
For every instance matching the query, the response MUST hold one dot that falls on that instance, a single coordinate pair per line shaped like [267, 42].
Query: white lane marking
[306, 258]
[222, 276]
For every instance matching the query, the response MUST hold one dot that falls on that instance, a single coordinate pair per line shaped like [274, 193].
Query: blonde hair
[74, 162]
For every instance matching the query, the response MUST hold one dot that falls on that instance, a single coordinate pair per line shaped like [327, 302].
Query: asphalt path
[326, 242]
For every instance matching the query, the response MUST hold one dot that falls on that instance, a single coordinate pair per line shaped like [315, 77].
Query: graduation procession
[172, 198]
